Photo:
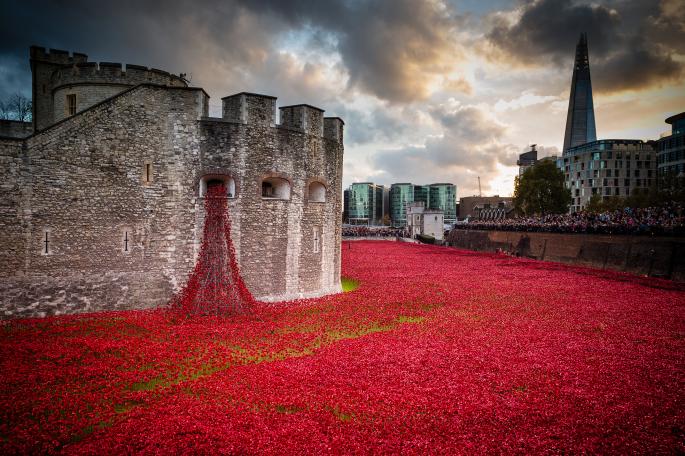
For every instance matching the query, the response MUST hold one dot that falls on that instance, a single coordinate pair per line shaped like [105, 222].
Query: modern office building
[608, 167]
[421, 193]
[443, 196]
[580, 120]
[527, 159]
[440, 196]
[671, 148]
[400, 195]
[530, 158]
[364, 204]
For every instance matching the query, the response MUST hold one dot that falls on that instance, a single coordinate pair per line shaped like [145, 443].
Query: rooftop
[599, 144]
[671, 120]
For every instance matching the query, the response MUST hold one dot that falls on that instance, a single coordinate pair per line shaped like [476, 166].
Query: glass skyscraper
[444, 197]
[364, 204]
[400, 195]
[580, 120]
[435, 196]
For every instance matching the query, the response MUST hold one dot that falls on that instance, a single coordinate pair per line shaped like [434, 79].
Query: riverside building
[608, 167]
[671, 148]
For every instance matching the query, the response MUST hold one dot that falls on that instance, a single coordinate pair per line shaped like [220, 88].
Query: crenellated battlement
[258, 109]
[56, 56]
[249, 108]
[113, 73]
[58, 74]
[333, 128]
[303, 117]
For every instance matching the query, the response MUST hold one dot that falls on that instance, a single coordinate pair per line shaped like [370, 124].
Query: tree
[16, 107]
[595, 204]
[541, 190]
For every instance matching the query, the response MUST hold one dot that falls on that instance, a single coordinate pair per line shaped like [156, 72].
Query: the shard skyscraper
[580, 121]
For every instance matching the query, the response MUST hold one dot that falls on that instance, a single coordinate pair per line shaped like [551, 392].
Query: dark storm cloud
[390, 49]
[167, 35]
[632, 44]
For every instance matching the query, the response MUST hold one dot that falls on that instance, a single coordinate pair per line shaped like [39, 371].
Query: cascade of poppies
[215, 286]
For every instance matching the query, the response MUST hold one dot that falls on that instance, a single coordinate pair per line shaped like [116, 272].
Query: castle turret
[303, 117]
[65, 84]
[333, 128]
[43, 64]
[251, 108]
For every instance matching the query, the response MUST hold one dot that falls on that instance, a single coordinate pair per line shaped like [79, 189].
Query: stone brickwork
[15, 129]
[57, 74]
[116, 191]
[644, 255]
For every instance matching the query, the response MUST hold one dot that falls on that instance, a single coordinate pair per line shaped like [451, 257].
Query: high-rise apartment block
[608, 167]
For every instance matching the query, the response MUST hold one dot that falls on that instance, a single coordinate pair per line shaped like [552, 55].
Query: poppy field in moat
[431, 350]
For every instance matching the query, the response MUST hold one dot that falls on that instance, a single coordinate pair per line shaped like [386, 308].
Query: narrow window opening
[316, 240]
[71, 104]
[125, 241]
[147, 172]
[47, 243]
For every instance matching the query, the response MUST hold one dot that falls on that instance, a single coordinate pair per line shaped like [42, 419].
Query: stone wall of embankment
[644, 255]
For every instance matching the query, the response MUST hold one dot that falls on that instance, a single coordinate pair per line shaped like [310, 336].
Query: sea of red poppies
[438, 351]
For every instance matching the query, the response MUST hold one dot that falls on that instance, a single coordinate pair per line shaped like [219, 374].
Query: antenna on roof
[479, 192]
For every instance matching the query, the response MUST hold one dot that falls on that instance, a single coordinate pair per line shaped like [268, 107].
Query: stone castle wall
[57, 74]
[644, 255]
[117, 191]
[15, 129]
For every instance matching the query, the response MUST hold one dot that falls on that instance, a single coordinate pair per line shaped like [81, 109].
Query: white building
[428, 222]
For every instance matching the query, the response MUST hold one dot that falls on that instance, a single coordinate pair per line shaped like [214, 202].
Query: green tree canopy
[541, 190]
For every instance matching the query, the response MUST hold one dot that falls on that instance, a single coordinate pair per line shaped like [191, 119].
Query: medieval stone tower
[101, 204]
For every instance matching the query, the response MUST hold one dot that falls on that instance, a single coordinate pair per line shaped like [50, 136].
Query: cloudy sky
[430, 91]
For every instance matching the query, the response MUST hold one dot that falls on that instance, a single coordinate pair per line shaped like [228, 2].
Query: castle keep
[101, 204]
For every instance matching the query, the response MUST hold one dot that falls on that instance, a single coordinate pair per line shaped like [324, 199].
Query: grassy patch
[288, 409]
[410, 319]
[127, 406]
[349, 284]
[157, 382]
[339, 414]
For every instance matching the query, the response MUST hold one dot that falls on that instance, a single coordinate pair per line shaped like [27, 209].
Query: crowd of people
[668, 220]
[372, 231]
